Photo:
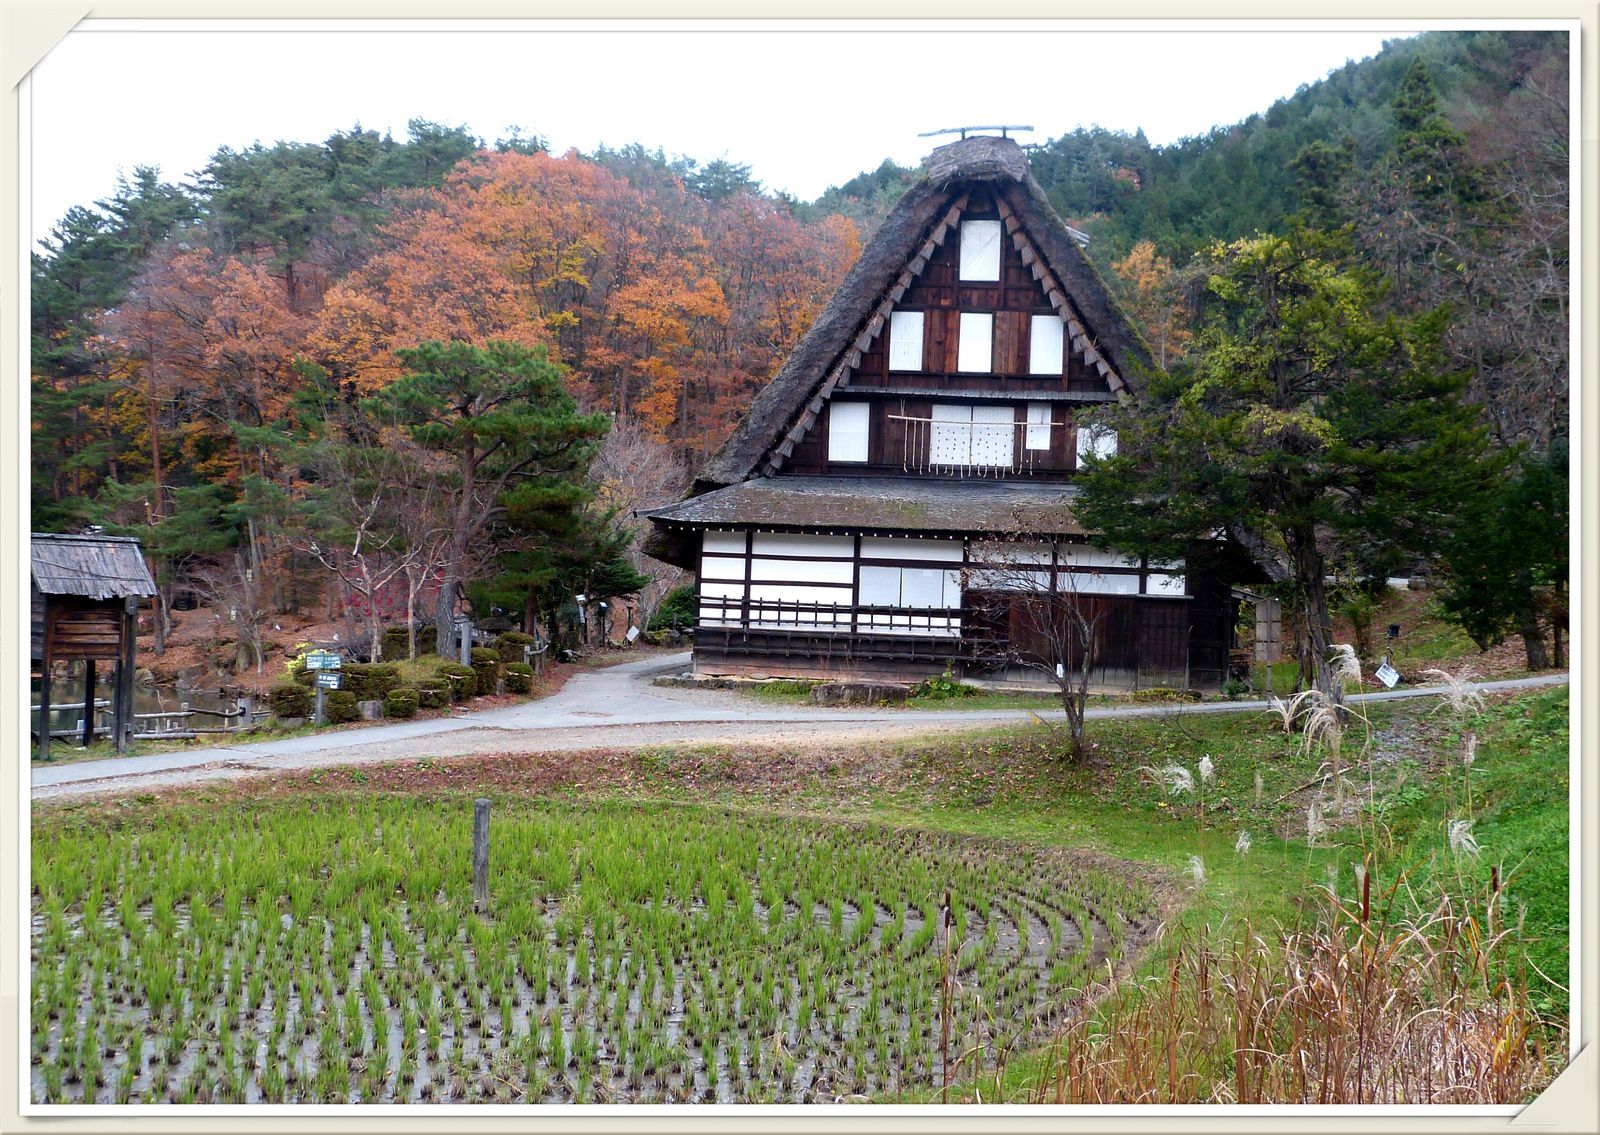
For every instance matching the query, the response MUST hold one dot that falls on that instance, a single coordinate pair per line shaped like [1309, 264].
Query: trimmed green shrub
[486, 665]
[339, 706]
[395, 643]
[433, 693]
[290, 700]
[519, 678]
[463, 682]
[510, 645]
[370, 681]
[401, 702]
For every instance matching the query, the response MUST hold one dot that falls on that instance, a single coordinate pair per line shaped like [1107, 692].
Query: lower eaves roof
[903, 504]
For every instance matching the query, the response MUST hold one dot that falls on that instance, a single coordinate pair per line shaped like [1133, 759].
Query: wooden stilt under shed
[86, 592]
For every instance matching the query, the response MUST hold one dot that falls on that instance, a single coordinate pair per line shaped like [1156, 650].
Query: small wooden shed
[86, 591]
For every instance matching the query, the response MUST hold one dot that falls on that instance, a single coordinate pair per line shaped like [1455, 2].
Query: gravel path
[604, 709]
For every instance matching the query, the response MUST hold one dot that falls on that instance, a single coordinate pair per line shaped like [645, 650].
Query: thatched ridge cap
[982, 157]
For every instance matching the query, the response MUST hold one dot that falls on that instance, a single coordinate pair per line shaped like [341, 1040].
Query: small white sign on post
[1387, 674]
[633, 633]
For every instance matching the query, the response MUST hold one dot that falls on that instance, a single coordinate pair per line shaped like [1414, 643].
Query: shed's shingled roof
[1001, 165]
[887, 504]
[90, 567]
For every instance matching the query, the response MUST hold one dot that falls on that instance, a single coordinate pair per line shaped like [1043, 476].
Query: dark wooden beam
[88, 702]
[44, 685]
[123, 718]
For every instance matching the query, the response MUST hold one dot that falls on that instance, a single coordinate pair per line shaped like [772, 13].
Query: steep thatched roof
[89, 567]
[996, 163]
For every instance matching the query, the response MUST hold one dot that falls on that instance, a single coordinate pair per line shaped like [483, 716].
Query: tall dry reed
[1356, 1010]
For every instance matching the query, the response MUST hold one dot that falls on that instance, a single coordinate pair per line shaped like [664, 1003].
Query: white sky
[806, 109]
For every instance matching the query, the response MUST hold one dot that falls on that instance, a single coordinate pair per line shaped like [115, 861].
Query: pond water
[147, 698]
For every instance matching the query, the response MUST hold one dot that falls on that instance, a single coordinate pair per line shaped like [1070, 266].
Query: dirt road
[612, 708]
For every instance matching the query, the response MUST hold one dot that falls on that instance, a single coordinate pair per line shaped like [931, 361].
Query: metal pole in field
[480, 855]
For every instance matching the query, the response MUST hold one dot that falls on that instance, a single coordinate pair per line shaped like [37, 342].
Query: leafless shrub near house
[1050, 626]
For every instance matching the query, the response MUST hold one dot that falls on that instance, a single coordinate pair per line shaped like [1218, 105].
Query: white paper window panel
[1166, 584]
[980, 250]
[1083, 555]
[722, 567]
[1009, 579]
[825, 614]
[714, 612]
[950, 439]
[802, 544]
[848, 427]
[723, 542]
[975, 344]
[1096, 583]
[1046, 352]
[905, 340]
[801, 620]
[799, 593]
[910, 548]
[1097, 440]
[910, 587]
[1166, 565]
[909, 623]
[880, 587]
[1006, 553]
[1038, 425]
[803, 571]
[922, 587]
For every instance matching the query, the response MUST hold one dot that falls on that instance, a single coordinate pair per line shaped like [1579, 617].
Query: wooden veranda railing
[840, 618]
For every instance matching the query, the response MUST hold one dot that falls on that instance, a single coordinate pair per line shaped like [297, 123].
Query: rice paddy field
[327, 950]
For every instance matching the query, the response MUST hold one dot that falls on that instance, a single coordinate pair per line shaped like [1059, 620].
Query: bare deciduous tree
[633, 470]
[236, 587]
[1043, 621]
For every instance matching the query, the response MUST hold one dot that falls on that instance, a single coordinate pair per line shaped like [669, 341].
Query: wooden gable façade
[978, 357]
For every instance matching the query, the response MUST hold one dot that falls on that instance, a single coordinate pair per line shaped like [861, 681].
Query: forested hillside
[217, 364]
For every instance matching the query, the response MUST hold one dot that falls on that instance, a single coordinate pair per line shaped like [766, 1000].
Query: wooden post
[480, 855]
[88, 702]
[44, 703]
[316, 714]
[123, 698]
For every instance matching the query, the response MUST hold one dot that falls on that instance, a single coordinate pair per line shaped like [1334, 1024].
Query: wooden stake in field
[480, 855]
[944, 1004]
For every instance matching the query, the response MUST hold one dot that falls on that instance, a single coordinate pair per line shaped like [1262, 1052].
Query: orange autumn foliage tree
[1155, 298]
[663, 306]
